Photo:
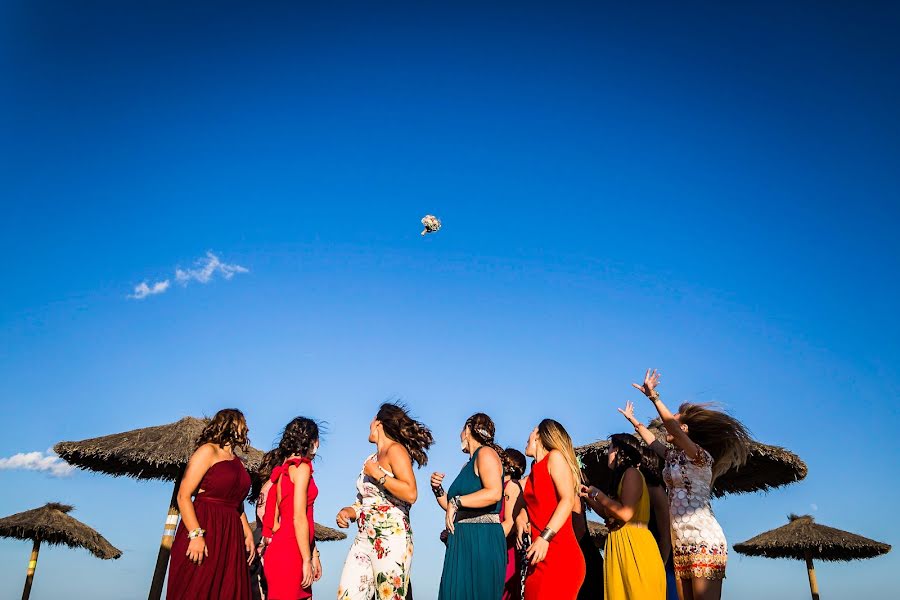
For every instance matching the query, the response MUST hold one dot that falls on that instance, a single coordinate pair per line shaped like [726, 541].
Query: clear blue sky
[711, 190]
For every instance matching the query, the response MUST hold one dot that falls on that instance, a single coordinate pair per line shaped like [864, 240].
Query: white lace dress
[699, 548]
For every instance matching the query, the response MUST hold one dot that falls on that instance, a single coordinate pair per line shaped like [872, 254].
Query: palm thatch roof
[51, 524]
[159, 452]
[323, 533]
[767, 467]
[597, 530]
[802, 537]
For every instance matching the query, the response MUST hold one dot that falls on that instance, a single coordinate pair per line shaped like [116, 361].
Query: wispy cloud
[814, 507]
[47, 462]
[142, 290]
[204, 270]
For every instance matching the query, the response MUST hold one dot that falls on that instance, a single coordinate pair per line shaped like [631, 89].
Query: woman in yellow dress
[632, 566]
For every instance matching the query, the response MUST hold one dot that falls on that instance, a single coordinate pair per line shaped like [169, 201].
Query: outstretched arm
[641, 429]
[681, 439]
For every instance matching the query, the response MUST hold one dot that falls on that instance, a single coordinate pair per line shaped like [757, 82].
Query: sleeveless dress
[699, 548]
[475, 560]
[379, 560]
[223, 575]
[560, 575]
[283, 564]
[512, 585]
[632, 567]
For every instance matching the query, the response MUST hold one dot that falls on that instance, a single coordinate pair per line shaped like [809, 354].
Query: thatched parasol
[767, 467]
[598, 533]
[323, 533]
[52, 524]
[159, 452]
[804, 539]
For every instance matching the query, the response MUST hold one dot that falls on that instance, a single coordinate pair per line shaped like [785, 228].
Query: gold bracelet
[654, 396]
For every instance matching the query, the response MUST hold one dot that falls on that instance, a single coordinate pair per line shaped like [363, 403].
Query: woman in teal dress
[475, 561]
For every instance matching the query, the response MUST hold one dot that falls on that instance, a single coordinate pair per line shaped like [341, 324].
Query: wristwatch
[382, 480]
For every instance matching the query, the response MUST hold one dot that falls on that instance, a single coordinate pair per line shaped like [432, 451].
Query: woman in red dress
[291, 561]
[213, 544]
[557, 564]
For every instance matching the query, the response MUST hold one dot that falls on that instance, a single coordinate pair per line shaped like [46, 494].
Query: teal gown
[475, 561]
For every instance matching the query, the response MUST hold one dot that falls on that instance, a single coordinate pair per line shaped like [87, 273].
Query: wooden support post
[165, 546]
[32, 563]
[811, 571]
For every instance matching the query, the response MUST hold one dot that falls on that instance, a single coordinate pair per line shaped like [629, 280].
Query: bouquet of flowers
[431, 224]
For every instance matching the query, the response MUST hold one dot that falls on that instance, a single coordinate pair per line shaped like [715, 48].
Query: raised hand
[437, 479]
[628, 413]
[651, 380]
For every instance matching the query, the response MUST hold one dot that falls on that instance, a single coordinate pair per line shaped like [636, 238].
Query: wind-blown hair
[228, 426]
[555, 437]
[406, 431]
[482, 428]
[297, 438]
[724, 437]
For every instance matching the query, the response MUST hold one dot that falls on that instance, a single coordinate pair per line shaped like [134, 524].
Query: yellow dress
[632, 566]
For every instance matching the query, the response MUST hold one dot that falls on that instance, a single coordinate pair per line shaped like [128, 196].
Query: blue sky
[711, 190]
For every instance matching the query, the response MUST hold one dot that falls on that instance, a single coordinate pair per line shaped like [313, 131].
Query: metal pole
[32, 563]
[811, 571]
[165, 546]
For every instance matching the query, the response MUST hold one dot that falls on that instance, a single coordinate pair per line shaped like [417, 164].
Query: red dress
[282, 562]
[560, 575]
[223, 575]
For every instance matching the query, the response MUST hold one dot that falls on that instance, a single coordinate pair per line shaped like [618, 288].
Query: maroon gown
[223, 575]
[282, 562]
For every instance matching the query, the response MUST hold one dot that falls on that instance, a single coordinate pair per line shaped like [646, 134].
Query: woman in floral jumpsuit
[379, 560]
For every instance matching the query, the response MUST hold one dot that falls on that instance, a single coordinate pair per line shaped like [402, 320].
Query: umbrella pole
[811, 571]
[165, 546]
[32, 563]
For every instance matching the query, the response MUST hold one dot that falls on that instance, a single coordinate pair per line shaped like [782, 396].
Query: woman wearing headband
[475, 560]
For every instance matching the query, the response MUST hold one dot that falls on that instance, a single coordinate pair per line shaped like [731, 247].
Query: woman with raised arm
[475, 560]
[291, 559]
[705, 444]
[632, 566]
[379, 560]
[214, 545]
[557, 566]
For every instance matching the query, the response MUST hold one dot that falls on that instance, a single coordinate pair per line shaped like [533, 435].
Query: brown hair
[481, 427]
[228, 426]
[514, 466]
[555, 437]
[724, 437]
[403, 429]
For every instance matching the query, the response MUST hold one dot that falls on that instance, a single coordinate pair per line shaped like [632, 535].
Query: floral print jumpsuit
[379, 559]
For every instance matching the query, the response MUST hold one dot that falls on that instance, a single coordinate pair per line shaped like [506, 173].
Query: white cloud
[142, 290]
[47, 462]
[206, 268]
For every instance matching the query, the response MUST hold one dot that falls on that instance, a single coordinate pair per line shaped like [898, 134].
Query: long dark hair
[298, 437]
[629, 454]
[228, 426]
[514, 466]
[403, 429]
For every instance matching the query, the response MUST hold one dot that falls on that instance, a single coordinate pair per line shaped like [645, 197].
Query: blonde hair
[724, 437]
[555, 437]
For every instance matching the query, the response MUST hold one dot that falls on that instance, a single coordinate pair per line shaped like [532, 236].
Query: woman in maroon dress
[557, 565]
[213, 544]
[291, 560]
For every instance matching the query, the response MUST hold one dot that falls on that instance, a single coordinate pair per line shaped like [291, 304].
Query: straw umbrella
[804, 539]
[767, 467]
[52, 524]
[160, 452]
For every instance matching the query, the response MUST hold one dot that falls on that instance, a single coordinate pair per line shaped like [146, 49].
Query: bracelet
[654, 396]
[593, 495]
[455, 502]
[438, 491]
[197, 533]
[548, 534]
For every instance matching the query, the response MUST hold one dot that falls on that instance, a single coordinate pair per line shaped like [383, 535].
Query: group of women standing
[505, 540]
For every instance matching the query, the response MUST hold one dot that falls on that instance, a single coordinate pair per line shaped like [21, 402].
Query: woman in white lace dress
[704, 444]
